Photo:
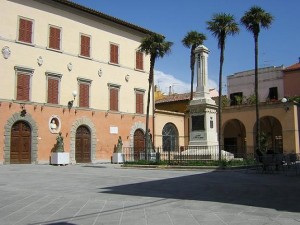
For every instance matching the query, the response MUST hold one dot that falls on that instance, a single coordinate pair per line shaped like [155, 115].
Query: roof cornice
[102, 15]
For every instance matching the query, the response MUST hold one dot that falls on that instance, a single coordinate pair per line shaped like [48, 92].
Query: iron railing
[183, 154]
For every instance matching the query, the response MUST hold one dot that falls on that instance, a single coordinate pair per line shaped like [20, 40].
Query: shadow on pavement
[275, 191]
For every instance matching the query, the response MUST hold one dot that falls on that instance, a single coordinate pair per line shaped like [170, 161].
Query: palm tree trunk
[147, 121]
[192, 72]
[256, 94]
[220, 99]
[152, 62]
[192, 82]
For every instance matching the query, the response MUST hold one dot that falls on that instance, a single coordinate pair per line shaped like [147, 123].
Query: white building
[270, 84]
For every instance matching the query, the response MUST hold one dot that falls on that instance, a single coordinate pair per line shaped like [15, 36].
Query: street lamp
[285, 104]
[70, 103]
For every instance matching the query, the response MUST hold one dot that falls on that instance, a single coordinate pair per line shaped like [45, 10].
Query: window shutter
[53, 90]
[114, 99]
[85, 46]
[84, 95]
[54, 38]
[114, 54]
[23, 87]
[25, 30]
[139, 103]
[139, 60]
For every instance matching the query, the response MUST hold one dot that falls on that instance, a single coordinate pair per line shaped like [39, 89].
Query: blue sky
[277, 46]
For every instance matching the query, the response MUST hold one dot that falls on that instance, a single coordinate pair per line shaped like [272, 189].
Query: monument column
[203, 110]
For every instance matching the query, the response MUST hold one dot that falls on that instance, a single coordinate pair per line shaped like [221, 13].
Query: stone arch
[34, 136]
[271, 130]
[234, 134]
[170, 137]
[90, 125]
[138, 125]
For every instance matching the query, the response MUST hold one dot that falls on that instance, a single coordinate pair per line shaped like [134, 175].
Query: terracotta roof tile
[182, 97]
[174, 98]
[293, 67]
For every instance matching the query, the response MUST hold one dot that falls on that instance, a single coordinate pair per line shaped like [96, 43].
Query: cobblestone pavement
[108, 194]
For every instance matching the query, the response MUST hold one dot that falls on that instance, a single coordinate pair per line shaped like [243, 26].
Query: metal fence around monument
[184, 154]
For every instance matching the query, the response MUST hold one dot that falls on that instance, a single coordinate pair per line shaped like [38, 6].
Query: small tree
[253, 20]
[221, 25]
[156, 46]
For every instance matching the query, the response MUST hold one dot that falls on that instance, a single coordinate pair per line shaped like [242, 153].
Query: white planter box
[60, 158]
[118, 158]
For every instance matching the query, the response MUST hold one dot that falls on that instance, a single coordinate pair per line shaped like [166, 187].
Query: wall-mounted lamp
[106, 113]
[34, 107]
[122, 115]
[285, 104]
[93, 113]
[23, 110]
[10, 104]
[70, 103]
[100, 72]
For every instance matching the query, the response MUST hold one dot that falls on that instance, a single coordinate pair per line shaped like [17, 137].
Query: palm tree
[221, 25]
[253, 20]
[155, 46]
[192, 40]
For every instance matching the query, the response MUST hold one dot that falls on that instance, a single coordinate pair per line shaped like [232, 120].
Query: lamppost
[70, 103]
[286, 103]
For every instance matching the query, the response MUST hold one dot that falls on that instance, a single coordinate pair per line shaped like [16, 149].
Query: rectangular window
[23, 86]
[54, 38]
[139, 96]
[25, 30]
[84, 94]
[85, 45]
[273, 93]
[114, 98]
[53, 85]
[236, 98]
[114, 53]
[139, 57]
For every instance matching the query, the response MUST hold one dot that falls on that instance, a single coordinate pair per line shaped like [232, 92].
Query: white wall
[267, 77]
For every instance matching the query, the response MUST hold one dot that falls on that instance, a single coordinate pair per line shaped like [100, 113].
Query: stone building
[279, 120]
[68, 68]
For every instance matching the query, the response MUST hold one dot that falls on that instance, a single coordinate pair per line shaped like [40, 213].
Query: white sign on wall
[114, 130]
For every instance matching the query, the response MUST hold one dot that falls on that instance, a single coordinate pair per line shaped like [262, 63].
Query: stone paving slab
[106, 194]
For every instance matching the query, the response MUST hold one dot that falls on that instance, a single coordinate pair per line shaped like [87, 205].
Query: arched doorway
[138, 143]
[234, 138]
[170, 137]
[20, 143]
[271, 134]
[83, 145]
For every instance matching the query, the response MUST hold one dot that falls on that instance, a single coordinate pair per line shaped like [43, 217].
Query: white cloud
[165, 81]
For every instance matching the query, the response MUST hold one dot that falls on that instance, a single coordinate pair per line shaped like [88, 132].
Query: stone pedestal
[203, 126]
[118, 158]
[60, 158]
[203, 109]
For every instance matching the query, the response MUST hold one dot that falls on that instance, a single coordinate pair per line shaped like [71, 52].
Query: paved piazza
[108, 194]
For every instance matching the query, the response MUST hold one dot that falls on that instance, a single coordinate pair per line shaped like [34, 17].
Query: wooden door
[83, 145]
[20, 144]
[139, 143]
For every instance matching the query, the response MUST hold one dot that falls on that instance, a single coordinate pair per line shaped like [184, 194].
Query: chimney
[170, 90]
